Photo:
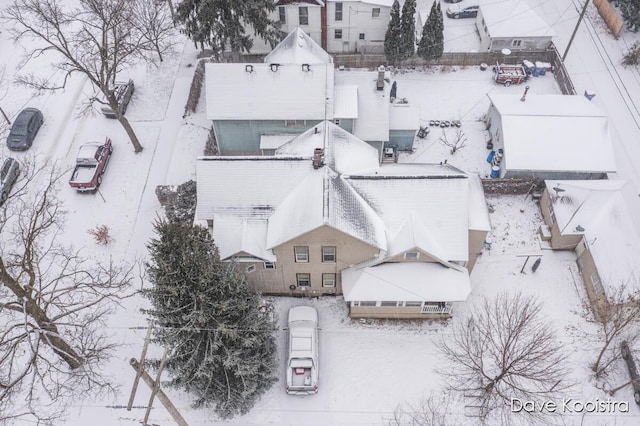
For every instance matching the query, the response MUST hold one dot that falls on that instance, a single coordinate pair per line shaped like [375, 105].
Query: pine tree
[392, 36]
[221, 343]
[408, 29]
[431, 43]
[219, 24]
[630, 10]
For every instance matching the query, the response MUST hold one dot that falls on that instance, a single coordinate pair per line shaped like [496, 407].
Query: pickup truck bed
[82, 174]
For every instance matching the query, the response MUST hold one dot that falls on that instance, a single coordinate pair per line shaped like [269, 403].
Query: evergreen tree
[392, 37]
[221, 343]
[219, 24]
[408, 29]
[431, 43]
[630, 10]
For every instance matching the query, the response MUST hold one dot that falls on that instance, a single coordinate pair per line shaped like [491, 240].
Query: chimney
[318, 158]
[274, 67]
[380, 81]
[524, 95]
[306, 67]
[248, 68]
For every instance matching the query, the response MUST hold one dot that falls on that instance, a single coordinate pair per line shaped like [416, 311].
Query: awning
[406, 281]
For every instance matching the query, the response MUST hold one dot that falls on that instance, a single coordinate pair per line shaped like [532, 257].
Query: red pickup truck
[91, 162]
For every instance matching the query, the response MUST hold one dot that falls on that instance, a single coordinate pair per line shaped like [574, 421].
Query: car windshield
[19, 129]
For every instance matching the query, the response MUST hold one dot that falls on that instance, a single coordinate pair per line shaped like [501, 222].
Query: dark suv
[123, 90]
[8, 176]
[24, 129]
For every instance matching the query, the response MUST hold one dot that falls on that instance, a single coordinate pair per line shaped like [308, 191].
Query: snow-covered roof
[439, 195]
[269, 92]
[273, 141]
[606, 212]
[351, 193]
[513, 19]
[404, 117]
[386, 3]
[478, 212]
[554, 133]
[298, 48]
[408, 281]
[346, 101]
[234, 235]
[372, 123]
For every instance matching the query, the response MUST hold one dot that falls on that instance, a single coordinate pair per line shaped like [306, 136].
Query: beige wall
[349, 251]
[558, 241]
[476, 243]
[587, 268]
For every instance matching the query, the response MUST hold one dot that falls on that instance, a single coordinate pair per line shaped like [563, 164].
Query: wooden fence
[610, 16]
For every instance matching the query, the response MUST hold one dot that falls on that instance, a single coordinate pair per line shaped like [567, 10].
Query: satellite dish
[506, 51]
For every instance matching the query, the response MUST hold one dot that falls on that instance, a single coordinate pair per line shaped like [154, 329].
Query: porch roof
[406, 281]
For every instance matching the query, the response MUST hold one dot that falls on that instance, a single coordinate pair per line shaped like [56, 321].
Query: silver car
[8, 176]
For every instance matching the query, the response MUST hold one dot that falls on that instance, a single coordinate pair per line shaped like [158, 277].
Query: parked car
[91, 163]
[460, 11]
[302, 362]
[24, 129]
[633, 371]
[123, 91]
[8, 176]
[452, 1]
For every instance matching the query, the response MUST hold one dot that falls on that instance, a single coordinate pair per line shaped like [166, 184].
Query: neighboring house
[511, 25]
[322, 216]
[599, 220]
[550, 137]
[356, 26]
[255, 108]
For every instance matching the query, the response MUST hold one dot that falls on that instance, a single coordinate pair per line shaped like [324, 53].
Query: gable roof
[298, 48]
[234, 234]
[554, 133]
[513, 19]
[414, 234]
[262, 92]
[606, 213]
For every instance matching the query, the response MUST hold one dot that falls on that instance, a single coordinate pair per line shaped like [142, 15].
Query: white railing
[436, 308]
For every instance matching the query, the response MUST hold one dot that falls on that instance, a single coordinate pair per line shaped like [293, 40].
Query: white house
[512, 25]
[355, 26]
[550, 136]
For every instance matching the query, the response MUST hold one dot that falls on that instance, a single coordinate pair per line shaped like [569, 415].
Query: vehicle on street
[633, 370]
[509, 74]
[452, 1]
[24, 129]
[302, 362]
[8, 175]
[461, 11]
[91, 163]
[123, 91]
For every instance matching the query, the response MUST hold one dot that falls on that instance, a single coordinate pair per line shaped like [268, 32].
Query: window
[302, 253]
[328, 280]
[411, 255]
[250, 268]
[516, 43]
[303, 13]
[412, 304]
[295, 123]
[328, 254]
[338, 34]
[303, 280]
[375, 12]
[269, 265]
[552, 214]
[389, 304]
[282, 14]
[597, 285]
[367, 303]
[338, 11]
[336, 121]
[361, 36]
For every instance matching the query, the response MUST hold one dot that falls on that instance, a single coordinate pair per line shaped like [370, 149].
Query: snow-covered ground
[367, 368]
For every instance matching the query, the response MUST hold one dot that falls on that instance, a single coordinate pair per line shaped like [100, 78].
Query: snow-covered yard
[367, 368]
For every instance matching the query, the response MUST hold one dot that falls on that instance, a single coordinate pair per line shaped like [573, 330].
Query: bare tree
[459, 140]
[430, 411]
[154, 22]
[53, 304]
[617, 318]
[97, 38]
[505, 349]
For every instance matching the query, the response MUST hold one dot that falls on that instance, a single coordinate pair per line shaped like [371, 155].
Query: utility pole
[575, 30]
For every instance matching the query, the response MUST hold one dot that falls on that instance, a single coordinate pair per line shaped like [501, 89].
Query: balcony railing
[436, 308]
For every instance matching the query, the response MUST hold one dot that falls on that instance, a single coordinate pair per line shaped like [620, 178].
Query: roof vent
[306, 67]
[318, 158]
[274, 67]
[380, 81]
[248, 68]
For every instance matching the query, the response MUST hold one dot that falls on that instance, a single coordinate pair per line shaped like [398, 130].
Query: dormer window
[411, 255]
